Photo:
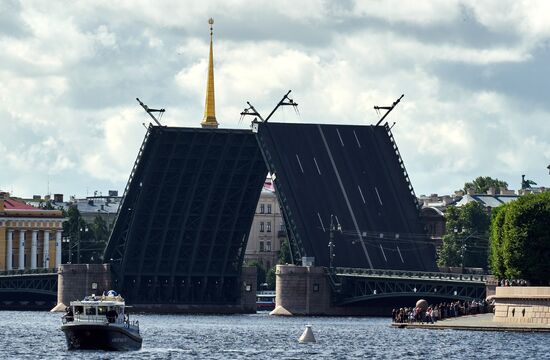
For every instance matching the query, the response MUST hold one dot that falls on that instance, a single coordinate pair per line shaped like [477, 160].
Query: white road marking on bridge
[321, 221]
[299, 163]
[401, 256]
[383, 253]
[357, 139]
[379, 199]
[317, 166]
[340, 137]
[345, 195]
[360, 192]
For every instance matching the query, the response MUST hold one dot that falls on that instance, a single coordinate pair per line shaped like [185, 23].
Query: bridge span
[28, 289]
[303, 290]
[352, 286]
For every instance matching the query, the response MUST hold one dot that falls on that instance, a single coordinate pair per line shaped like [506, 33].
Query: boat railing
[131, 324]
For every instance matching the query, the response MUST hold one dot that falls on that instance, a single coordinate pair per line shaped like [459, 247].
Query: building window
[269, 226]
[262, 249]
[268, 246]
[269, 208]
[262, 208]
[261, 226]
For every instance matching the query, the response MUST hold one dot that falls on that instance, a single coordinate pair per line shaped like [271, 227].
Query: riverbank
[480, 322]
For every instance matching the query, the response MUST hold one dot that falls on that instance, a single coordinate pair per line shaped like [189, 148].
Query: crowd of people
[444, 310]
[513, 282]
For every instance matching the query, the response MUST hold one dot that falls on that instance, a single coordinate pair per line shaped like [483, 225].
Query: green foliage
[496, 256]
[260, 272]
[46, 205]
[482, 183]
[100, 236]
[520, 239]
[465, 239]
[271, 278]
[284, 253]
[92, 238]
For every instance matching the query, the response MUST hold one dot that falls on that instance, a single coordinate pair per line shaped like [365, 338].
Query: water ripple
[37, 335]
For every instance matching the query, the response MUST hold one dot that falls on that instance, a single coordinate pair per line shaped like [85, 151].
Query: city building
[432, 214]
[30, 237]
[267, 232]
[104, 206]
[90, 207]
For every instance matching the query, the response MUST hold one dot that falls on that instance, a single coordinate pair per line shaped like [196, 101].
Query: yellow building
[30, 238]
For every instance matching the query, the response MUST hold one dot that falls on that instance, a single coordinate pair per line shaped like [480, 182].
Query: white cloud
[69, 82]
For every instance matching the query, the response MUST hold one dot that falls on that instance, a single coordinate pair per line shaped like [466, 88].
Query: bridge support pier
[75, 281]
[304, 290]
[295, 294]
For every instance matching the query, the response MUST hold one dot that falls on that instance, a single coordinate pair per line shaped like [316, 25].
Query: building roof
[487, 200]
[13, 207]
[13, 204]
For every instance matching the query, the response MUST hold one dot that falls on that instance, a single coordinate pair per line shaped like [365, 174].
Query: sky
[475, 74]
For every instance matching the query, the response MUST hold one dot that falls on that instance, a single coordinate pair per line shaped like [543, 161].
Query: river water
[37, 335]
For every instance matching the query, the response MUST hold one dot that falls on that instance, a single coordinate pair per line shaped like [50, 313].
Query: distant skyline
[475, 77]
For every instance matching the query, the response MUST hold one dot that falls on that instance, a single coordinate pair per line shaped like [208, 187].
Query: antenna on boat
[285, 101]
[388, 108]
[151, 111]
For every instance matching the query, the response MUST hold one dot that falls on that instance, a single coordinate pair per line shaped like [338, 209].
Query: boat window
[102, 310]
[78, 310]
[90, 311]
[118, 310]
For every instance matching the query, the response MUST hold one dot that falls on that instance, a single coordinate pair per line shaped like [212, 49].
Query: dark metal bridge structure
[183, 223]
[28, 289]
[363, 286]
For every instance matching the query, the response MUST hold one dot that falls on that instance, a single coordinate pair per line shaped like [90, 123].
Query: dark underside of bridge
[356, 174]
[182, 229]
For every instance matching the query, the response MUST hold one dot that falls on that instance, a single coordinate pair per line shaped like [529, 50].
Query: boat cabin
[97, 309]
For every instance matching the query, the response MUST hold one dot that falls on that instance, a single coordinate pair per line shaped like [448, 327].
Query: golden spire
[209, 120]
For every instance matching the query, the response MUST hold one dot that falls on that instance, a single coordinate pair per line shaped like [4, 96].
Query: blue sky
[475, 77]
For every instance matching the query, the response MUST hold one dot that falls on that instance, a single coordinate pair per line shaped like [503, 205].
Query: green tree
[496, 256]
[270, 278]
[284, 253]
[520, 242]
[74, 230]
[482, 183]
[465, 240]
[97, 242]
[260, 272]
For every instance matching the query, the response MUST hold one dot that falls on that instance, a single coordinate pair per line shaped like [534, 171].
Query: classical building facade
[268, 230]
[30, 238]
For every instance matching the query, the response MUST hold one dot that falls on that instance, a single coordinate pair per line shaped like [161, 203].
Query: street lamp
[331, 244]
[67, 239]
[78, 240]
[463, 249]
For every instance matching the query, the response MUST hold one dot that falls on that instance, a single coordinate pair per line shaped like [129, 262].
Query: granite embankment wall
[522, 304]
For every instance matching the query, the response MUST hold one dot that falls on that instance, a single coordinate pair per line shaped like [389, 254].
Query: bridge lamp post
[331, 244]
[463, 250]
[67, 240]
[78, 241]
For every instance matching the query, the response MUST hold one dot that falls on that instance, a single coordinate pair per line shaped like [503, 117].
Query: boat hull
[100, 337]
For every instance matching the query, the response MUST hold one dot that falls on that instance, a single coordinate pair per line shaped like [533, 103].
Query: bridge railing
[28, 272]
[410, 274]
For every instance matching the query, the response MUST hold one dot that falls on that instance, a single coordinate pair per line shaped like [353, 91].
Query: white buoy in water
[307, 336]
